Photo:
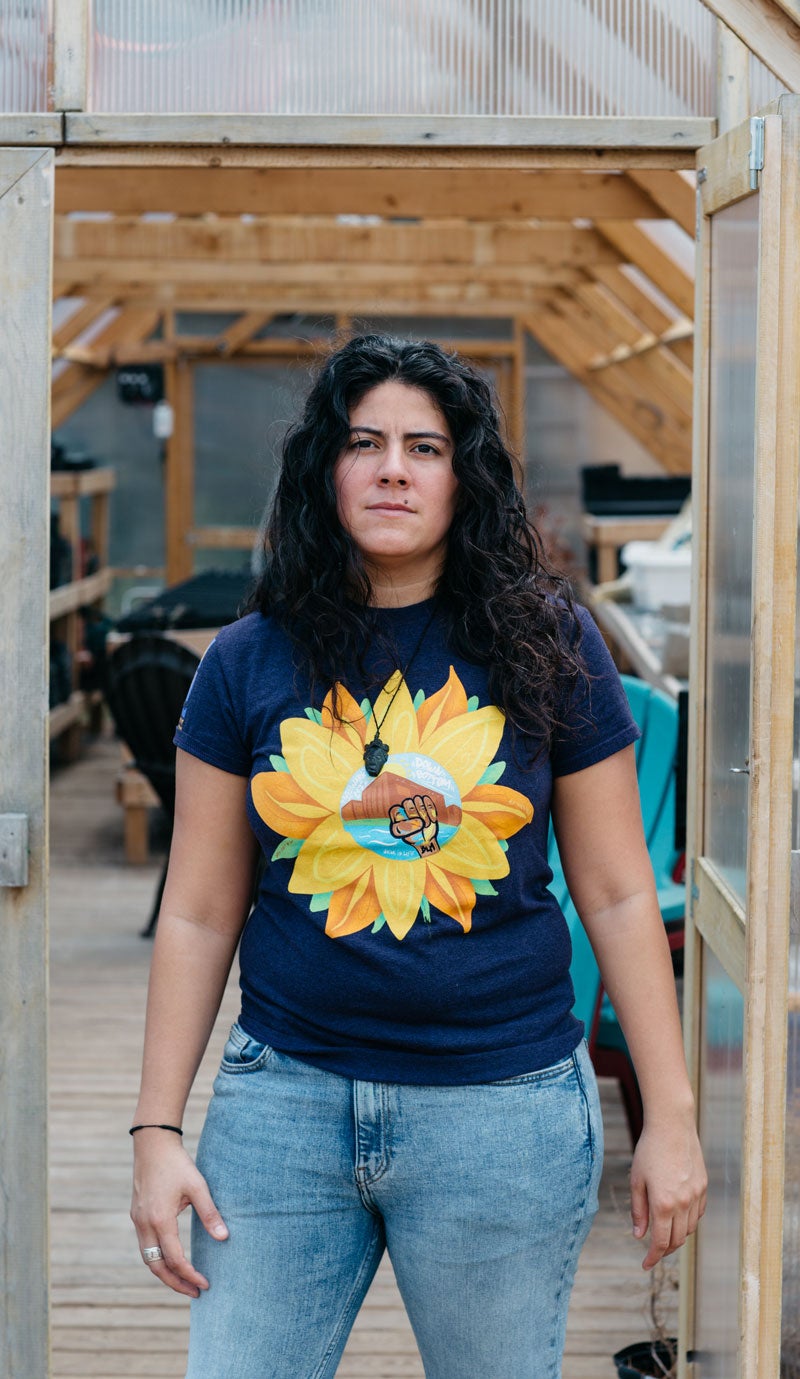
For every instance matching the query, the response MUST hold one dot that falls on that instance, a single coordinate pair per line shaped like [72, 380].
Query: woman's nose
[393, 468]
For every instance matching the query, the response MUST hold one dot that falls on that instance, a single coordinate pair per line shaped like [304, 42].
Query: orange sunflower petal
[502, 810]
[353, 907]
[284, 805]
[352, 723]
[453, 895]
[448, 702]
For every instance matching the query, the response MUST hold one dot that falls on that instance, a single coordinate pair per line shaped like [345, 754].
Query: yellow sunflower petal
[465, 746]
[283, 805]
[399, 886]
[502, 810]
[353, 907]
[446, 703]
[473, 851]
[453, 895]
[352, 725]
[328, 859]
[321, 761]
[399, 728]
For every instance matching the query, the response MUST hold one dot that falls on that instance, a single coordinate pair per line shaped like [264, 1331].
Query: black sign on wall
[139, 384]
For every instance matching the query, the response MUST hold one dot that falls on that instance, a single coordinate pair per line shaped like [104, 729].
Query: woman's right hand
[165, 1182]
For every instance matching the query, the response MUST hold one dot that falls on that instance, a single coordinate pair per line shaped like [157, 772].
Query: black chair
[147, 681]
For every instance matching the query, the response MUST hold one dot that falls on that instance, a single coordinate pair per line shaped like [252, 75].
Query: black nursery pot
[646, 1358]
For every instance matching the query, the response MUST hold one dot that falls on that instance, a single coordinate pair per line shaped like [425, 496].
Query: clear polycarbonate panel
[790, 1330]
[764, 85]
[241, 413]
[722, 1026]
[374, 57]
[734, 270]
[24, 29]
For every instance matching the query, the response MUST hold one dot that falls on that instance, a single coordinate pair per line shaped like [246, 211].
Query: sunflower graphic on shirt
[430, 829]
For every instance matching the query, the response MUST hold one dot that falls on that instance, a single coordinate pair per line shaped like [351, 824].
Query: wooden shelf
[82, 483]
[63, 716]
[68, 597]
[73, 491]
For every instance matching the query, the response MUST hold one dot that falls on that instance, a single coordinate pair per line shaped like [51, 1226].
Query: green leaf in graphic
[278, 764]
[314, 715]
[482, 887]
[472, 703]
[425, 906]
[492, 773]
[288, 848]
[379, 923]
[320, 902]
[419, 698]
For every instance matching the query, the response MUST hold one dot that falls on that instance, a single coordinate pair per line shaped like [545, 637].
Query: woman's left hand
[668, 1186]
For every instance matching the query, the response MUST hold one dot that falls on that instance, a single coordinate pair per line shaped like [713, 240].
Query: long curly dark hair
[503, 607]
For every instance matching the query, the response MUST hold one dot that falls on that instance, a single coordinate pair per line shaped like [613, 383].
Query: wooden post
[26, 229]
[733, 79]
[70, 54]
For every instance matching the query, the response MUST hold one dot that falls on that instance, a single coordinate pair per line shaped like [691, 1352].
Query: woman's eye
[361, 442]
[425, 449]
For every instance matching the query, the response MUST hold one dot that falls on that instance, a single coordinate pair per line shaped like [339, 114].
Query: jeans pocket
[564, 1068]
[242, 1053]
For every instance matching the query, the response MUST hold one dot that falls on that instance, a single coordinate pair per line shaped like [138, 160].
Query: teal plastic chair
[656, 750]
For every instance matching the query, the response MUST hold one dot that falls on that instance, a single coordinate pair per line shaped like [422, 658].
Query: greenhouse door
[26, 238]
[747, 406]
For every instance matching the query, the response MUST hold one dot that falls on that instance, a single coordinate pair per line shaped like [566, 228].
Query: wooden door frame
[26, 237]
[758, 951]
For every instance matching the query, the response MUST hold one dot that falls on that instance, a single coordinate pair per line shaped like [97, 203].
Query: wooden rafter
[501, 194]
[77, 382]
[671, 192]
[770, 29]
[80, 321]
[638, 248]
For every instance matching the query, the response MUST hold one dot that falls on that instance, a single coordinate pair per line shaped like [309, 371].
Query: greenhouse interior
[596, 203]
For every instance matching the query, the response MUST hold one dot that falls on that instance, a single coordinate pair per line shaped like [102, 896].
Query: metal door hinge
[756, 160]
[13, 849]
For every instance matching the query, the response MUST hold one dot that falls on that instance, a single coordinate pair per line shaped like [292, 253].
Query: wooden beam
[80, 320]
[769, 30]
[425, 131]
[39, 130]
[505, 193]
[242, 331]
[192, 248]
[639, 249]
[77, 382]
[733, 79]
[70, 54]
[670, 192]
[683, 330]
[26, 210]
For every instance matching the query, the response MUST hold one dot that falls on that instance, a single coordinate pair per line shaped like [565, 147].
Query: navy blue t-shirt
[404, 930]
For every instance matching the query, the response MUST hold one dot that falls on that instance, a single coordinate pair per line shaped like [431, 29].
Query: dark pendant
[376, 755]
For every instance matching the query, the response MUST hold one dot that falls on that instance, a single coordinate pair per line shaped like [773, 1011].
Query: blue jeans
[482, 1194]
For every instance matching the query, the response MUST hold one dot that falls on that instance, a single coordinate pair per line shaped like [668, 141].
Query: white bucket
[658, 575]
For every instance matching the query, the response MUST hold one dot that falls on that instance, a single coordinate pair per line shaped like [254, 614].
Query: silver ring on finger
[151, 1254]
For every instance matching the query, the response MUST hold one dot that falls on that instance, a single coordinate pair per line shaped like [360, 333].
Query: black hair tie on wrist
[174, 1128]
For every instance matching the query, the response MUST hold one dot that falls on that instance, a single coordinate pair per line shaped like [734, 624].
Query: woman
[411, 696]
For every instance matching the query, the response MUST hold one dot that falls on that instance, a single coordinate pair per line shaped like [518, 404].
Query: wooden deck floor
[110, 1318]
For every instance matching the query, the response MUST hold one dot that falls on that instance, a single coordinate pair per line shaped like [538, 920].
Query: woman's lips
[388, 507]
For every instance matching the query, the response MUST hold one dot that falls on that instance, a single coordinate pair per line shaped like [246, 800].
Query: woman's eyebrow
[407, 435]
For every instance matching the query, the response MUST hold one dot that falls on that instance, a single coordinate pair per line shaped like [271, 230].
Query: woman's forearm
[190, 967]
[631, 946]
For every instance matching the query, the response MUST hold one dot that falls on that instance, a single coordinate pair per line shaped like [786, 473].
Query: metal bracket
[756, 159]
[13, 849]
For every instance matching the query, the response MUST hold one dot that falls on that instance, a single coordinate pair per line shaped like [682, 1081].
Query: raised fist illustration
[416, 822]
